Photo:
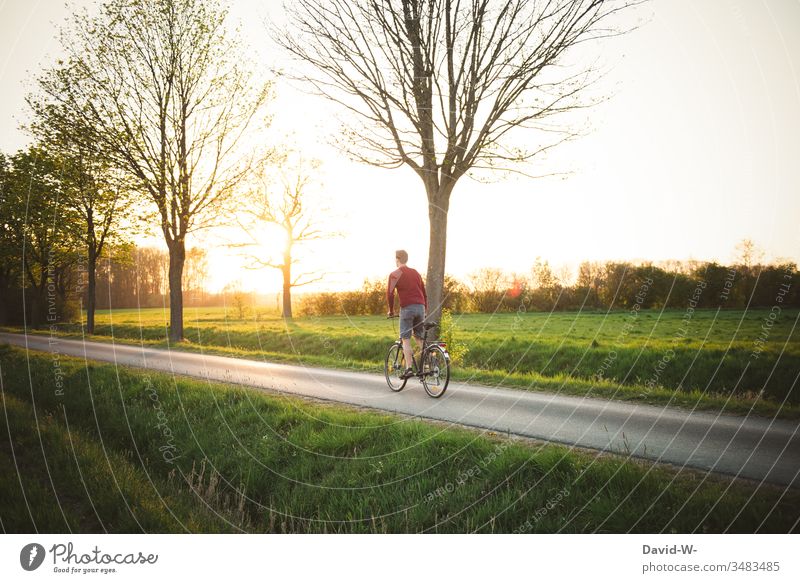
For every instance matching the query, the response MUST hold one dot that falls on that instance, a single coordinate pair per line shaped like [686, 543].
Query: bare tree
[152, 265]
[239, 299]
[442, 86]
[164, 88]
[290, 211]
[749, 254]
[195, 275]
[750, 258]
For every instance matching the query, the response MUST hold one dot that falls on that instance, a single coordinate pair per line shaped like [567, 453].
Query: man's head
[401, 257]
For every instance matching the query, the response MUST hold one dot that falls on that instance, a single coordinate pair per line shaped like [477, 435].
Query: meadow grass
[105, 448]
[739, 361]
[54, 478]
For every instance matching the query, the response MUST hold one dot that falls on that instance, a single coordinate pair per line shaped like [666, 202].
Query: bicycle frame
[426, 344]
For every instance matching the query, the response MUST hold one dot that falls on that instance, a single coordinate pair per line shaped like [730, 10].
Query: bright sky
[696, 150]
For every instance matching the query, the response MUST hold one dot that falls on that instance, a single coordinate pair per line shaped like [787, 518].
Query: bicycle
[434, 373]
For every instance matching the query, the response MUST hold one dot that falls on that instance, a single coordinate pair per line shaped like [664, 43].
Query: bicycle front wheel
[394, 367]
[436, 371]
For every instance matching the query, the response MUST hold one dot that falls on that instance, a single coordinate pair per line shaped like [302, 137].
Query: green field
[102, 448]
[742, 362]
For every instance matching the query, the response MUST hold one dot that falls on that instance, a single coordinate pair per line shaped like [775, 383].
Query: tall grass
[56, 478]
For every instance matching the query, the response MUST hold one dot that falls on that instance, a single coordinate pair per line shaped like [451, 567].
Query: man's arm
[394, 277]
[424, 293]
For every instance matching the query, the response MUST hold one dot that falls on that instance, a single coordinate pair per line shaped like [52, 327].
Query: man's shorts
[411, 318]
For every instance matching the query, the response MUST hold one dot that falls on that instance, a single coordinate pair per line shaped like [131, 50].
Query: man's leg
[407, 352]
[416, 332]
[406, 329]
[410, 325]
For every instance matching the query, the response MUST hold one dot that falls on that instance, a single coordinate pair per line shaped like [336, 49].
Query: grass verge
[100, 447]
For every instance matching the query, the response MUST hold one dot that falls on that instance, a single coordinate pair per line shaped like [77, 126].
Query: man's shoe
[408, 374]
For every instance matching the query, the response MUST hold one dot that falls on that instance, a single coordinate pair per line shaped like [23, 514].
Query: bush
[449, 334]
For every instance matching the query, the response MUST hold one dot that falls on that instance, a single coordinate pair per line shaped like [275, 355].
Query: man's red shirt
[409, 286]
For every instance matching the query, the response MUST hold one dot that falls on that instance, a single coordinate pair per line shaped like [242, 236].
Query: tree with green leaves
[37, 244]
[98, 193]
[165, 90]
[9, 266]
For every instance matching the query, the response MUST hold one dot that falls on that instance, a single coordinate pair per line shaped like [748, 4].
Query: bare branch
[439, 85]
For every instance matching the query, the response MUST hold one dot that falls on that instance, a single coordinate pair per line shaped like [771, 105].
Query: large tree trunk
[91, 300]
[39, 304]
[8, 300]
[177, 257]
[287, 295]
[438, 205]
[286, 269]
[36, 308]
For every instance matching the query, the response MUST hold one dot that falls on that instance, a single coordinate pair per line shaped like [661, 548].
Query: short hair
[402, 255]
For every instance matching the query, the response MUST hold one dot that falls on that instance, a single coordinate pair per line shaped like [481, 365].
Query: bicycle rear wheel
[436, 371]
[394, 366]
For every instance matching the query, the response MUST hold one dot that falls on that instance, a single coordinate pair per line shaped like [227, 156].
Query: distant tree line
[134, 277]
[53, 235]
[139, 277]
[598, 286]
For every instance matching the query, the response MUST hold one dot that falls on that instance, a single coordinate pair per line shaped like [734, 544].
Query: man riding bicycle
[413, 303]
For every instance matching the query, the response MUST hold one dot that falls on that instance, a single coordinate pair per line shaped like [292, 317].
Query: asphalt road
[749, 447]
